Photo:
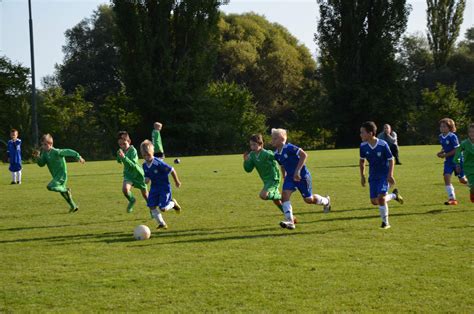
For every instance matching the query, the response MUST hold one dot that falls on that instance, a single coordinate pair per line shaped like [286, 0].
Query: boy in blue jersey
[379, 156]
[292, 161]
[14, 156]
[157, 172]
[449, 142]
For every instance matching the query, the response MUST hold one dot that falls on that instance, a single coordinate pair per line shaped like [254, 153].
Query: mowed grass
[226, 252]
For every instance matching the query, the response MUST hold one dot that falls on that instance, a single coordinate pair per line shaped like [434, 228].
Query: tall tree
[357, 41]
[444, 19]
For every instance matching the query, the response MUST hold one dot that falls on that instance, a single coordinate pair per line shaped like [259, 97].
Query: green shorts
[139, 184]
[470, 179]
[272, 187]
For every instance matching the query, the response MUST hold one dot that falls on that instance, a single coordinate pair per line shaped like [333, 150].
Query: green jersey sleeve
[41, 160]
[69, 153]
[249, 164]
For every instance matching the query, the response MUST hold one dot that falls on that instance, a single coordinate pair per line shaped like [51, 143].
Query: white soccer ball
[141, 232]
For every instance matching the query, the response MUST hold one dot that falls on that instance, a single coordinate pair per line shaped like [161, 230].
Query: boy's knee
[374, 201]
[309, 200]
[162, 209]
[263, 195]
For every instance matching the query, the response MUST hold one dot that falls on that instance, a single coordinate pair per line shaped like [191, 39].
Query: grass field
[226, 252]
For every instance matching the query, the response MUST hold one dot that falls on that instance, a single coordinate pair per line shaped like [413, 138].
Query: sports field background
[226, 252]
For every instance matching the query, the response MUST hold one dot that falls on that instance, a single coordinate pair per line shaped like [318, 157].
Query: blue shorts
[159, 197]
[378, 186]
[450, 167]
[14, 167]
[304, 186]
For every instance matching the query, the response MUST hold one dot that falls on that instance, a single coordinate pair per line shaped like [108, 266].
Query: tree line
[212, 79]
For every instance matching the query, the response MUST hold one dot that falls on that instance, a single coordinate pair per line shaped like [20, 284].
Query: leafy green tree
[14, 99]
[444, 19]
[357, 42]
[268, 60]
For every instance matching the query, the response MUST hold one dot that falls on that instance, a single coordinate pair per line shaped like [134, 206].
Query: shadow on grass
[341, 166]
[68, 225]
[75, 237]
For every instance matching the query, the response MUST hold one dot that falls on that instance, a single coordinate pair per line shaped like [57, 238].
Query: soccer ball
[141, 232]
[177, 161]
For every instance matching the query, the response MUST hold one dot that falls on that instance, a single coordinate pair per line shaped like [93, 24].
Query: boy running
[379, 156]
[54, 159]
[157, 172]
[292, 161]
[132, 172]
[264, 161]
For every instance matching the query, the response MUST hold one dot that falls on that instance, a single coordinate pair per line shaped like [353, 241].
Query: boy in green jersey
[267, 168]
[156, 139]
[54, 159]
[467, 148]
[132, 171]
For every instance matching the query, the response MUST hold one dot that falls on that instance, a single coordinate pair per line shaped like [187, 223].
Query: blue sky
[52, 18]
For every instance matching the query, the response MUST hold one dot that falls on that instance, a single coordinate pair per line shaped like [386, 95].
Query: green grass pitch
[226, 252]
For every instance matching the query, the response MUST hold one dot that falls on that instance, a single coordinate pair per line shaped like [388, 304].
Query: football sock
[288, 211]
[168, 207]
[389, 197]
[320, 200]
[129, 196]
[384, 213]
[13, 176]
[450, 191]
[280, 207]
[18, 176]
[158, 217]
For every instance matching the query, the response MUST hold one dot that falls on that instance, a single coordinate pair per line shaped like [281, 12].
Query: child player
[54, 159]
[156, 139]
[132, 171]
[449, 142]
[379, 156]
[157, 172]
[14, 156]
[296, 176]
[467, 148]
[267, 167]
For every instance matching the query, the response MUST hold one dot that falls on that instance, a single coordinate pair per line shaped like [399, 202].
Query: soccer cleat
[162, 226]
[130, 205]
[13, 182]
[451, 202]
[73, 210]
[176, 207]
[398, 197]
[327, 208]
[19, 182]
[384, 226]
[287, 225]
[462, 180]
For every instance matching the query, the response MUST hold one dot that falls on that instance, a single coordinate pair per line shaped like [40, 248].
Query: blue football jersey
[288, 157]
[14, 151]
[378, 157]
[158, 172]
[449, 142]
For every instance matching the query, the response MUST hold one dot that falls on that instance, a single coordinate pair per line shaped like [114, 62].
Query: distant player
[379, 156]
[296, 176]
[467, 149]
[54, 159]
[449, 142]
[132, 171]
[157, 172]
[156, 139]
[264, 161]
[14, 156]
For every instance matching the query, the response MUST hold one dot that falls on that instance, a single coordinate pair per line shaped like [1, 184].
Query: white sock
[13, 176]
[320, 200]
[450, 190]
[18, 176]
[384, 213]
[169, 206]
[158, 217]
[390, 197]
[288, 211]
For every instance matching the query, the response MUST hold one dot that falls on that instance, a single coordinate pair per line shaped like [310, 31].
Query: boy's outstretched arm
[303, 156]
[71, 153]
[174, 174]
[362, 171]
[390, 178]
[248, 163]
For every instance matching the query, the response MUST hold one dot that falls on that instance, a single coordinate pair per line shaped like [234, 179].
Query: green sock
[129, 196]
[68, 198]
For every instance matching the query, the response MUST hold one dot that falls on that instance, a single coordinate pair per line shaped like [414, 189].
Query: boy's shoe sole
[160, 226]
[384, 226]
[399, 198]
[287, 225]
[177, 207]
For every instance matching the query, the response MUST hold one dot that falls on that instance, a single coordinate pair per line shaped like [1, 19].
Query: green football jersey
[467, 149]
[132, 170]
[156, 139]
[265, 163]
[54, 159]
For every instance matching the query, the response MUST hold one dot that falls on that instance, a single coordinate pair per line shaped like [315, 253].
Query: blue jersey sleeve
[164, 167]
[361, 154]
[292, 149]
[455, 141]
